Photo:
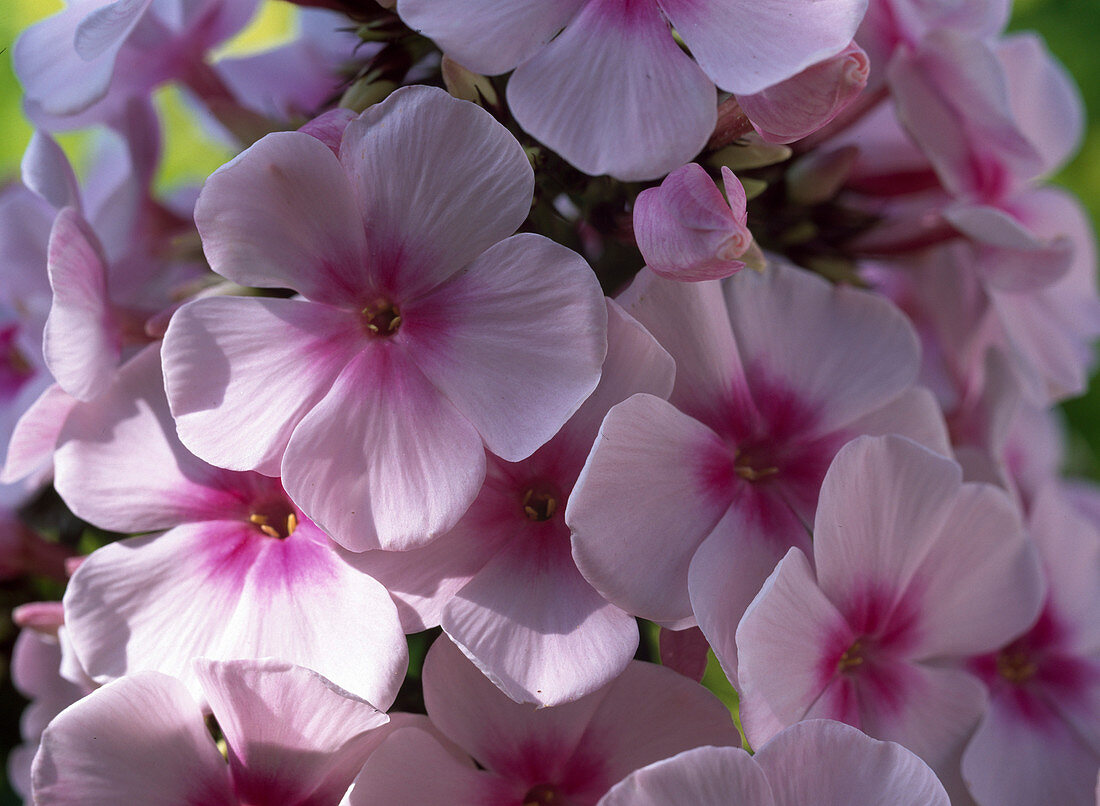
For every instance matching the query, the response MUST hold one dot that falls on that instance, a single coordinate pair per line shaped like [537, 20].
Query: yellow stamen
[269, 531]
[291, 524]
[258, 519]
[751, 474]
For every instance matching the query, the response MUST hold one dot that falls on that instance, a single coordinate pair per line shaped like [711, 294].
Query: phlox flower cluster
[534, 374]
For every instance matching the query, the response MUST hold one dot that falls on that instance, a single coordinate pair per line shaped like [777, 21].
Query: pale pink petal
[292, 735]
[472, 712]
[81, 343]
[384, 460]
[119, 465]
[613, 94]
[413, 768]
[851, 352]
[929, 710]
[1045, 100]
[282, 215]
[649, 713]
[66, 61]
[731, 566]
[489, 36]
[242, 372]
[515, 342]
[438, 182]
[35, 436]
[915, 413]
[979, 584]
[690, 320]
[1051, 331]
[1070, 548]
[635, 363]
[422, 581]
[832, 764]
[706, 776]
[222, 590]
[804, 103]
[884, 504]
[138, 740]
[536, 628]
[1009, 762]
[46, 171]
[686, 230]
[952, 99]
[329, 127]
[783, 645]
[746, 46]
[649, 494]
[1009, 256]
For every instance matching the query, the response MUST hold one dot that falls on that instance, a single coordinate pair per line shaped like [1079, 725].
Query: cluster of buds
[530, 366]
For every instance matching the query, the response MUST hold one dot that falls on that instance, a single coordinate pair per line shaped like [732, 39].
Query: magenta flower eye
[382, 318]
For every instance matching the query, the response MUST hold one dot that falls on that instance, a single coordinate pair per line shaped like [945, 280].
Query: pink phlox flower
[503, 582]
[46, 672]
[915, 571]
[1039, 740]
[684, 507]
[87, 62]
[817, 762]
[291, 738]
[492, 751]
[424, 334]
[234, 569]
[604, 83]
[992, 122]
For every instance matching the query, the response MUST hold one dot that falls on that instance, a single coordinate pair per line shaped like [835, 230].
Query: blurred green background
[1071, 28]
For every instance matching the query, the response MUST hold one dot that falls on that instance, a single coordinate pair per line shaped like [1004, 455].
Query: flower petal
[292, 735]
[282, 215]
[613, 94]
[138, 740]
[648, 495]
[489, 36]
[746, 46]
[241, 373]
[515, 342]
[384, 460]
[438, 182]
[536, 628]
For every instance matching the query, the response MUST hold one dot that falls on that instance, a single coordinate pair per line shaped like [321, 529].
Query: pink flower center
[544, 795]
[540, 502]
[382, 318]
[277, 520]
[851, 658]
[15, 369]
[752, 467]
[1016, 666]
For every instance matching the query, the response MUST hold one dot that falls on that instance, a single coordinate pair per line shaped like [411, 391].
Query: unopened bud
[366, 92]
[753, 153]
[466, 85]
